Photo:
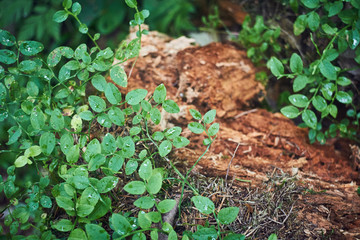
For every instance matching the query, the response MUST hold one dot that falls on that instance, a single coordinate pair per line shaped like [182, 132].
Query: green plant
[54, 114]
[326, 86]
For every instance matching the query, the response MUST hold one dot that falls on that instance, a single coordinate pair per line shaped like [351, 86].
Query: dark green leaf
[65, 203]
[7, 56]
[14, 134]
[333, 110]
[310, 3]
[6, 38]
[45, 201]
[37, 118]
[319, 103]
[106, 184]
[101, 208]
[108, 144]
[57, 120]
[30, 48]
[335, 8]
[121, 224]
[47, 142]
[64, 225]
[313, 21]
[83, 210]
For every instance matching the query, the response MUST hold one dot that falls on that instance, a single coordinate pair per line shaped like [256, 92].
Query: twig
[245, 113]
[228, 168]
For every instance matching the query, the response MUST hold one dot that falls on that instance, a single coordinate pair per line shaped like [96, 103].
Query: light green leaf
[296, 64]
[97, 103]
[107, 183]
[145, 202]
[83, 210]
[64, 225]
[300, 83]
[333, 110]
[213, 129]
[65, 203]
[313, 21]
[343, 97]
[335, 8]
[328, 30]
[300, 25]
[83, 28]
[309, 118]
[203, 204]
[108, 144]
[77, 234]
[135, 187]
[47, 142]
[275, 66]
[180, 142]
[116, 116]
[143, 220]
[170, 106]
[165, 148]
[112, 94]
[228, 215]
[128, 149]
[30, 48]
[21, 161]
[33, 151]
[99, 82]
[37, 118]
[154, 184]
[131, 3]
[95, 232]
[290, 112]
[92, 149]
[160, 94]
[131, 166]
[310, 3]
[195, 114]
[96, 162]
[166, 205]
[121, 224]
[72, 156]
[196, 127]
[173, 132]
[60, 16]
[118, 75]
[76, 8]
[45, 201]
[14, 134]
[319, 103]
[209, 117]
[66, 142]
[155, 115]
[343, 81]
[145, 170]
[89, 196]
[135, 96]
[116, 163]
[298, 100]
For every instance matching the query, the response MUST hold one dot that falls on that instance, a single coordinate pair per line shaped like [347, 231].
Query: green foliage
[52, 118]
[325, 85]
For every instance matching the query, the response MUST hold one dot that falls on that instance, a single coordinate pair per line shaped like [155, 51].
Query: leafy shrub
[325, 84]
[54, 117]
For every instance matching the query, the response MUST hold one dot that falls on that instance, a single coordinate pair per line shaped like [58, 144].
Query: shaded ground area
[252, 143]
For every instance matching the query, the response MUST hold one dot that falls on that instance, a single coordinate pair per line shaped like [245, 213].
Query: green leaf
[155, 217]
[160, 94]
[83, 210]
[296, 64]
[170, 106]
[128, 149]
[158, 136]
[145, 202]
[30, 48]
[116, 116]
[33, 151]
[45, 201]
[107, 183]
[89, 197]
[319, 103]
[47, 142]
[7, 56]
[77, 234]
[309, 118]
[233, 236]
[155, 182]
[275, 66]
[108, 144]
[135, 187]
[131, 167]
[173, 132]
[298, 100]
[60, 16]
[83, 28]
[72, 156]
[145, 170]
[67, 4]
[66, 142]
[14, 134]
[331, 54]
[76, 8]
[37, 118]
[121, 224]
[328, 30]
[6, 38]
[146, 105]
[327, 90]
[79, 182]
[95, 232]
[196, 127]
[101, 208]
[195, 114]
[135, 96]
[118, 75]
[310, 3]
[86, 115]
[166, 205]
[355, 3]
[21, 161]
[343, 81]
[65, 203]
[99, 82]
[209, 117]
[313, 21]
[107, 53]
[76, 123]
[116, 163]
[335, 8]
[144, 221]
[155, 115]
[205, 233]
[131, 3]
[290, 112]
[343, 97]
[134, 131]
[104, 120]
[213, 129]
[29, 66]
[165, 148]
[300, 25]
[97, 103]
[333, 110]
[203, 204]
[64, 225]
[228, 215]
[180, 142]
[300, 83]
[96, 162]
[112, 94]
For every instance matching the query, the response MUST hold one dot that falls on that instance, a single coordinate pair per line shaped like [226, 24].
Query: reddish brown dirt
[219, 76]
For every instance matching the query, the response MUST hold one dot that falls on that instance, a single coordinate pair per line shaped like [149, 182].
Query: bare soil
[219, 76]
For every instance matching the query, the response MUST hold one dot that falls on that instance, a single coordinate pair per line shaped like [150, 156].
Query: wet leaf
[203, 204]
[135, 187]
[30, 48]
[118, 75]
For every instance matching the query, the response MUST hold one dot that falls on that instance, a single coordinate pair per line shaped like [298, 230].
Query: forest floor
[260, 161]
